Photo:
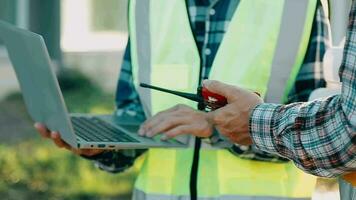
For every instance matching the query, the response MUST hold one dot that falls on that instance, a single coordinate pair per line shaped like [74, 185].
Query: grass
[35, 169]
[32, 168]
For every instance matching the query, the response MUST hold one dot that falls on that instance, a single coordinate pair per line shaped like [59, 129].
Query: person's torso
[173, 53]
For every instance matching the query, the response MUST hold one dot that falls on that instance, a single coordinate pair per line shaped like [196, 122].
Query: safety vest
[262, 50]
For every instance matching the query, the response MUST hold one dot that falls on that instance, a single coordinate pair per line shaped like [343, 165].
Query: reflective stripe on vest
[283, 49]
[164, 53]
[138, 194]
[287, 52]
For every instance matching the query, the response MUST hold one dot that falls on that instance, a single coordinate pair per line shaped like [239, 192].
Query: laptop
[45, 104]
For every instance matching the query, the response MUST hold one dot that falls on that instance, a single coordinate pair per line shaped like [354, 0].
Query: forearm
[317, 136]
[309, 78]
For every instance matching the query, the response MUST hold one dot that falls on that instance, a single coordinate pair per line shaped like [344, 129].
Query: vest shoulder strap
[293, 38]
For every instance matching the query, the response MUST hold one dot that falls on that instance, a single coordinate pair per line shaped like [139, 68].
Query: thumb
[217, 87]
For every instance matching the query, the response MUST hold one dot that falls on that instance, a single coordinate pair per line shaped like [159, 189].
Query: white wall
[96, 54]
[8, 81]
[76, 35]
[102, 67]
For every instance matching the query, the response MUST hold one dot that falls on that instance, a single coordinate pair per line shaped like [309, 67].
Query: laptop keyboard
[96, 130]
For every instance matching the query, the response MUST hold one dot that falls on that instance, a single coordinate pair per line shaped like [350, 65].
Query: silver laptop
[45, 104]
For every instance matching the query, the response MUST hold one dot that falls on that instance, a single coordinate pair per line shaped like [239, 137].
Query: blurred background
[86, 40]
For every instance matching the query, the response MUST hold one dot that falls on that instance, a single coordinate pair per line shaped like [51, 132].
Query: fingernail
[164, 137]
[54, 134]
[141, 132]
[36, 125]
[149, 134]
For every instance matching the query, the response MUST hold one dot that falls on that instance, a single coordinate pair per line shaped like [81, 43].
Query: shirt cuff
[261, 127]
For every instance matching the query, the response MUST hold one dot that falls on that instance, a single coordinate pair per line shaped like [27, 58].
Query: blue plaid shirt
[319, 136]
[210, 20]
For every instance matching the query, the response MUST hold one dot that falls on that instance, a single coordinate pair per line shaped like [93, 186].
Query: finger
[153, 121]
[148, 123]
[58, 140]
[76, 151]
[91, 152]
[226, 90]
[42, 129]
[166, 124]
[86, 152]
[178, 130]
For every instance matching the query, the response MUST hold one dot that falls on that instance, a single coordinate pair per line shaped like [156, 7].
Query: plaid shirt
[210, 20]
[319, 136]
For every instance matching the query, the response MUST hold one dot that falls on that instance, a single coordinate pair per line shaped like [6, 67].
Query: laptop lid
[38, 83]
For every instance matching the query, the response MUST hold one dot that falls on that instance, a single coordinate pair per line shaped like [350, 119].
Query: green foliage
[81, 95]
[108, 15]
[35, 169]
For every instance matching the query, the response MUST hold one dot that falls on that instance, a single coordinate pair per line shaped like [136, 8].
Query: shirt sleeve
[128, 103]
[127, 99]
[319, 136]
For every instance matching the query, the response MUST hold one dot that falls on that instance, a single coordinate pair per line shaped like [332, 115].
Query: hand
[232, 120]
[176, 121]
[56, 138]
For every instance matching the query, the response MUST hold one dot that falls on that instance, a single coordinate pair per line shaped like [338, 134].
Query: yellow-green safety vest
[262, 50]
